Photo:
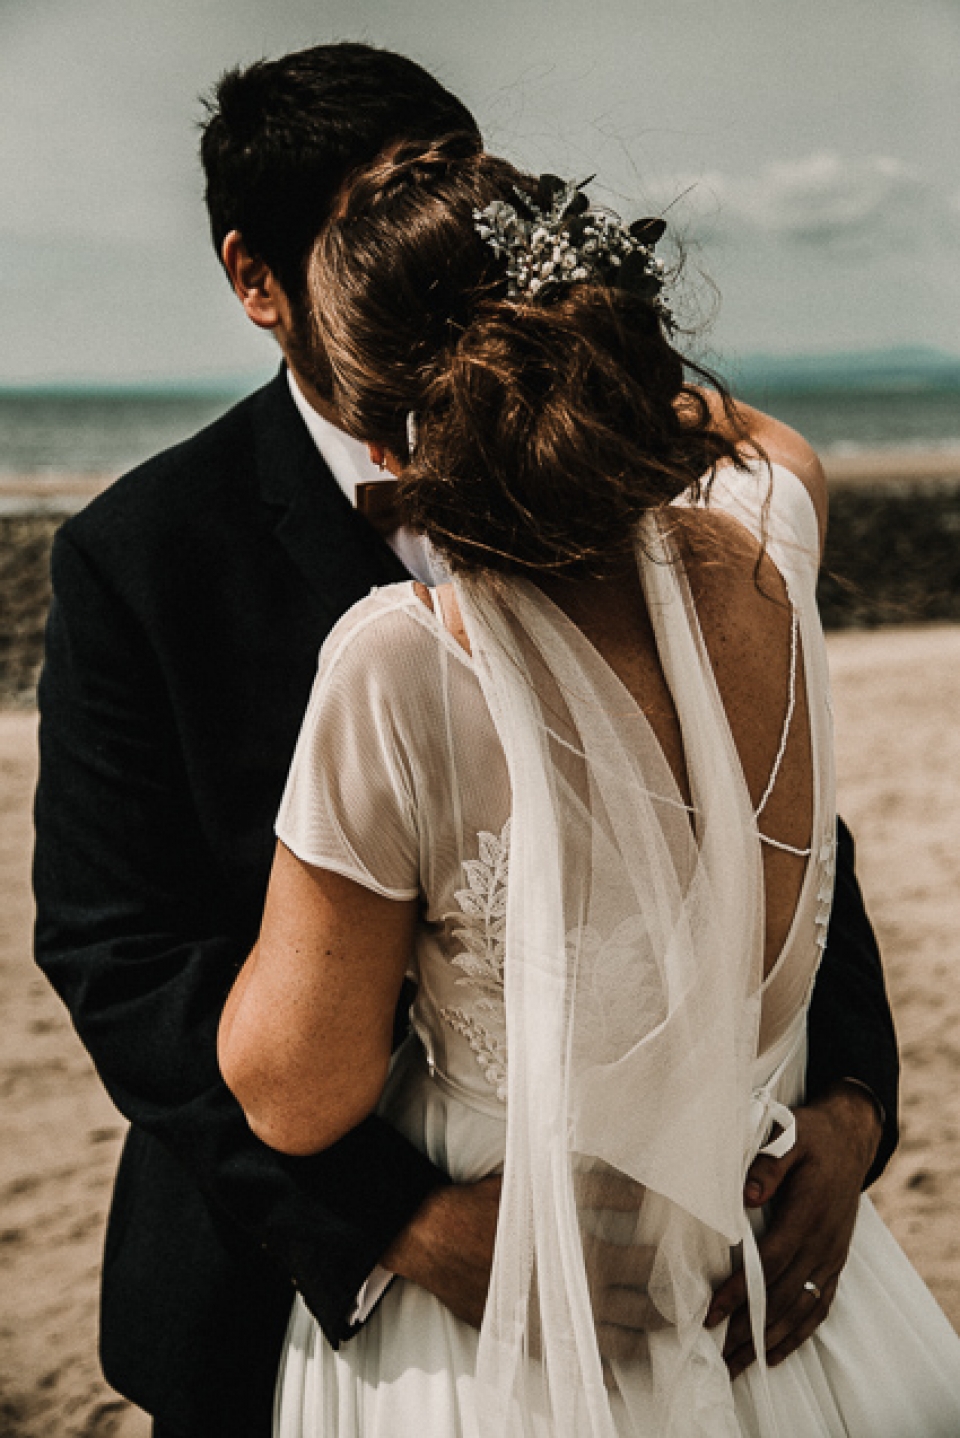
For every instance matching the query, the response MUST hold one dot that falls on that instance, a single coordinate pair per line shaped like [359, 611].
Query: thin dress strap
[781, 751]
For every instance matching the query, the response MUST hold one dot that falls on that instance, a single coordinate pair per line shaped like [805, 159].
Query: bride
[583, 791]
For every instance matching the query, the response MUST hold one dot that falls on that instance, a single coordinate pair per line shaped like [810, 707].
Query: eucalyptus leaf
[649, 231]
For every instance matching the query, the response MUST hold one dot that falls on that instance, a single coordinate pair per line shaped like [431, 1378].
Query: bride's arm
[305, 1038]
[304, 1045]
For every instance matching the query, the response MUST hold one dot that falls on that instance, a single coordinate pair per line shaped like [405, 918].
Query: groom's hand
[814, 1192]
[447, 1248]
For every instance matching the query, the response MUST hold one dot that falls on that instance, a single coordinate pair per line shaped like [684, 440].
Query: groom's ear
[254, 283]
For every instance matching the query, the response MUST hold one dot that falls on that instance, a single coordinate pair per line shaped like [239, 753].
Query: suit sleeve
[130, 938]
[850, 1026]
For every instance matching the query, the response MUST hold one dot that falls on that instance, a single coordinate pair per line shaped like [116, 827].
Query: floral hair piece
[558, 237]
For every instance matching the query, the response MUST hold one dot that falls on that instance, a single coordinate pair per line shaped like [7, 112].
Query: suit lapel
[340, 556]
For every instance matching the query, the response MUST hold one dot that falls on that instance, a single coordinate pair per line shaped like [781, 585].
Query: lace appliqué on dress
[483, 934]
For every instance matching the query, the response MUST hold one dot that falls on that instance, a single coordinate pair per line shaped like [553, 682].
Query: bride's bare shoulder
[740, 595]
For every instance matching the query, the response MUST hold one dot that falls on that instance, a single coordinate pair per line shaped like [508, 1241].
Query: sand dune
[897, 695]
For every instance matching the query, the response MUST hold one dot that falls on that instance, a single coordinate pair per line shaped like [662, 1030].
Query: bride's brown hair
[546, 426]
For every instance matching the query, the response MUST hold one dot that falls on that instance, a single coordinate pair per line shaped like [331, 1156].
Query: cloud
[825, 196]
[873, 203]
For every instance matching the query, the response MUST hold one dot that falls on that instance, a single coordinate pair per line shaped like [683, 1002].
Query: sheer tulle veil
[634, 964]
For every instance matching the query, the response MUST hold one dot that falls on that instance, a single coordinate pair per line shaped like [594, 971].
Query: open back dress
[594, 1017]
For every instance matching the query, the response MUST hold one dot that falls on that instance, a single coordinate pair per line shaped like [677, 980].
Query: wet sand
[897, 698]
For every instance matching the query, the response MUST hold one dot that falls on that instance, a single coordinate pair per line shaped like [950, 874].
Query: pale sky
[819, 139]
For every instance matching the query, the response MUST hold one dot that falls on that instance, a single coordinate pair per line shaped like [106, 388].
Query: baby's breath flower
[563, 241]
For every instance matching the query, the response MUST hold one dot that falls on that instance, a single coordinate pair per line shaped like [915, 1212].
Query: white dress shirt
[350, 464]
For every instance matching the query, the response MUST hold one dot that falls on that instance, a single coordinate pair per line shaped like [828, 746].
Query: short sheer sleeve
[349, 800]
[776, 507]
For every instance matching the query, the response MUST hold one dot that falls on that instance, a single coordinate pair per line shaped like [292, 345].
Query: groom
[190, 601]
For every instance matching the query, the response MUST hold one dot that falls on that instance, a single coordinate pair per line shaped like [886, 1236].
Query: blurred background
[806, 157]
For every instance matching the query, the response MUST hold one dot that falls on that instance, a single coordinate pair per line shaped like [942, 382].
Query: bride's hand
[814, 1191]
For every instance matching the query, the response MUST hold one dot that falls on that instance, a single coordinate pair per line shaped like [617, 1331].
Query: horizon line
[923, 360]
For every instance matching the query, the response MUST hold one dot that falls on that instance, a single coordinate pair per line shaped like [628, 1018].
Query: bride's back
[747, 622]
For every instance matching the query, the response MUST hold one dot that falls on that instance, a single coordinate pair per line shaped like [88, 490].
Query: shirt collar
[350, 464]
[346, 458]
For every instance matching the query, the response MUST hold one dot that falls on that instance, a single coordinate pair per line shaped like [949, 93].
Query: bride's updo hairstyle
[546, 424]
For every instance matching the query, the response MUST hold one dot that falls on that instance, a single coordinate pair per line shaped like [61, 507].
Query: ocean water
[104, 434]
[848, 421]
[44, 434]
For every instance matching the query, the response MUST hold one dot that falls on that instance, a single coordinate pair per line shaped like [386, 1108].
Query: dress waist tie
[765, 1111]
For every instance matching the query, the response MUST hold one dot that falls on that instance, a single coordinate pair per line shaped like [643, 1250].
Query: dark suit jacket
[190, 601]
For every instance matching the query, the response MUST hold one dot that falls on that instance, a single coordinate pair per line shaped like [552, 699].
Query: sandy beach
[897, 694]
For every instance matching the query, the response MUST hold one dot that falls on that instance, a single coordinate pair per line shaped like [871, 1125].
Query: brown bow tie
[376, 500]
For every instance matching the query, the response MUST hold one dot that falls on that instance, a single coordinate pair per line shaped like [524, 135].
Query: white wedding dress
[579, 917]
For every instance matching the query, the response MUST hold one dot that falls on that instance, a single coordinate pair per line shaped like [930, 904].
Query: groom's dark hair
[282, 136]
